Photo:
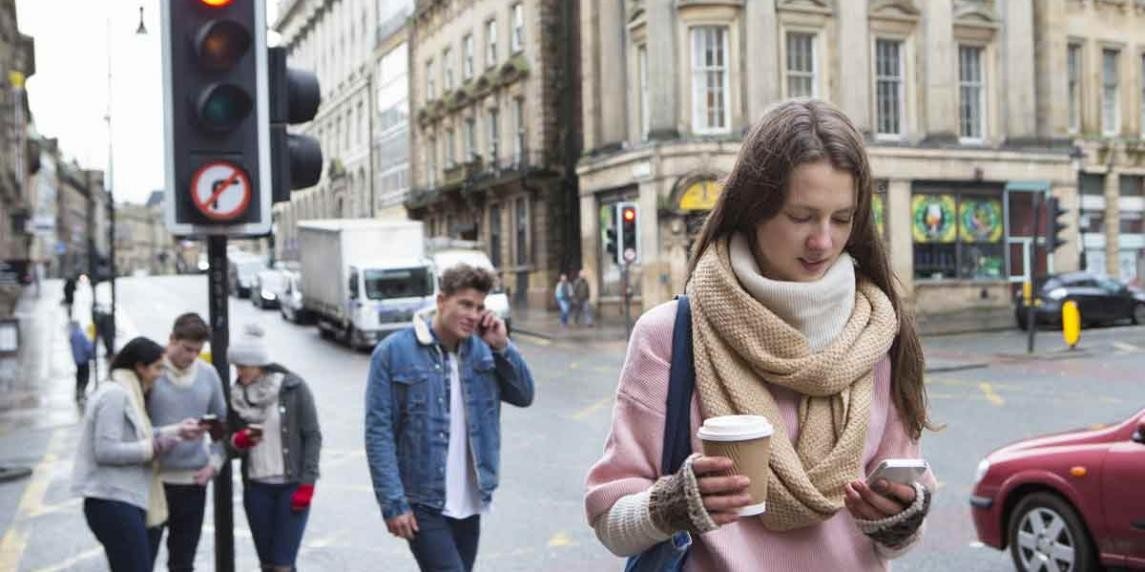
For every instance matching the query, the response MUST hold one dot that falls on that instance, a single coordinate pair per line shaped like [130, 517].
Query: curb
[957, 367]
[519, 330]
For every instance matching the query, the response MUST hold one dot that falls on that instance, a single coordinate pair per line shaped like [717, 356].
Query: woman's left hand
[884, 500]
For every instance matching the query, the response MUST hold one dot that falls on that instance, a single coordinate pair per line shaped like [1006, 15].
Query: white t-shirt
[462, 500]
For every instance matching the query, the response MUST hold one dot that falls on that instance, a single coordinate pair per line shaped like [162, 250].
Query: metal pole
[109, 184]
[1031, 314]
[627, 300]
[220, 337]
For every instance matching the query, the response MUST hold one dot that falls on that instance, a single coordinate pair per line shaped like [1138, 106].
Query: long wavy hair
[798, 132]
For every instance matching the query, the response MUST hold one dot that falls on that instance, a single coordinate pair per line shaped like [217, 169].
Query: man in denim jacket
[433, 420]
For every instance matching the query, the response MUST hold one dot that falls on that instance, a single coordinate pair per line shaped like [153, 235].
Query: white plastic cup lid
[735, 428]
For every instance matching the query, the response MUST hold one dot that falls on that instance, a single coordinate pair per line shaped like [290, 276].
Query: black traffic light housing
[294, 98]
[628, 225]
[217, 117]
[1057, 224]
[610, 243]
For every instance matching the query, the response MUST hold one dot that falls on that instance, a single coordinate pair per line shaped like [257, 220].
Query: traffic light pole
[220, 339]
[1031, 313]
[627, 297]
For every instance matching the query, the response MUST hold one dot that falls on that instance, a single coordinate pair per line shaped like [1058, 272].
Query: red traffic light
[220, 44]
[216, 3]
[629, 215]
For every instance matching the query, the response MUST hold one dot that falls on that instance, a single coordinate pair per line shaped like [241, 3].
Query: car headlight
[980, 472]
[1057, 293]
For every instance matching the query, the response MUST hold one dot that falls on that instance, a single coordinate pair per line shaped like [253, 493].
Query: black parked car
[1099, 300]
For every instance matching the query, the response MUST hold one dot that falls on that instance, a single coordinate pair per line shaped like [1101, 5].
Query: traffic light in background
[628, 224]
[610, 242]
[217, 116]
[1058, 225]
[296, 160]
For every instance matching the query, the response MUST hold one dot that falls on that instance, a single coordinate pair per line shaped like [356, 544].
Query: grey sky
[68, 93]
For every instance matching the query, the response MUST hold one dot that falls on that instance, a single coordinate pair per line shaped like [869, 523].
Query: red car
[1068, 501]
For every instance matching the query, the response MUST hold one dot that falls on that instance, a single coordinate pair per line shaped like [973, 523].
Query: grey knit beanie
[250, 348]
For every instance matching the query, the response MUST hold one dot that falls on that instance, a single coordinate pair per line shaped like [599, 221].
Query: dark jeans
[122, 530]
[276, 528]
[83, 373]
[444, 544]
[185, 507]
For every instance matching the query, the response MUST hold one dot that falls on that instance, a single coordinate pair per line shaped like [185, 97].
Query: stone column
[662, 69]
[1018, 63]
[854, 59]
[898, 220]
[590, 75]
[613, 92]
[940, 63]
[589, 249]
[1112, 222]
[761, 59]
[1052, 93]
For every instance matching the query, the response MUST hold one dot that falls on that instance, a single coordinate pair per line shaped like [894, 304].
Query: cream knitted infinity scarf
[738, 342]
[156, 497]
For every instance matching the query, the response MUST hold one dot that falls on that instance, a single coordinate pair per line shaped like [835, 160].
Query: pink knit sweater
[632, 457]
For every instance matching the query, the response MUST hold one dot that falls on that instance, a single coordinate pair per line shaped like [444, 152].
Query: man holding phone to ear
[433, 420]
[188, 388]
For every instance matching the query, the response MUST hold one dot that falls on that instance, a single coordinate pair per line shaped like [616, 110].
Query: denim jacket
[407, 414]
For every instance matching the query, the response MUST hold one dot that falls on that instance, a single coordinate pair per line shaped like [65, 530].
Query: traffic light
[294, 98]
[217, 116]
[1057, 224]
[628, 228]
[610, 244]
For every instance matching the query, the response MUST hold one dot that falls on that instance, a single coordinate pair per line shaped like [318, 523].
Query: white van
[497, 300]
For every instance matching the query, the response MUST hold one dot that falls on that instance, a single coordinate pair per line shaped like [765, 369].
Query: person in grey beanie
[276, 432]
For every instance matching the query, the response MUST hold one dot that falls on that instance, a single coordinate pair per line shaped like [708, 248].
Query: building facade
[336, 40]
[391, 123]
[142, 242]
[1099, 103]
[946, 93]
[17, 160]
[495, 97]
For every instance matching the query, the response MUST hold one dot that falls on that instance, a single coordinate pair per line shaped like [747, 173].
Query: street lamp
[1076, 156]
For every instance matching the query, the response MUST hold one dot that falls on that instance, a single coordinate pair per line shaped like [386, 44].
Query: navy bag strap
[681, 383]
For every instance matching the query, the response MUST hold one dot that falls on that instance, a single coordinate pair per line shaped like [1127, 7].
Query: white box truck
[363, 279]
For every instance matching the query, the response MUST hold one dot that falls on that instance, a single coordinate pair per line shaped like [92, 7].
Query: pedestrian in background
[795, 317]
[277, 434]
[115, 468]
[69, 294]
[564, 294]
[433, 437]
[82, 352]
[191, 388]
[582, 299]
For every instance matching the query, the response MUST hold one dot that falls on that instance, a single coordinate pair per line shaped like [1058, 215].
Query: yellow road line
[988, 392]
[592, 408]
[31, 502]
[536, 340]
[561, 540]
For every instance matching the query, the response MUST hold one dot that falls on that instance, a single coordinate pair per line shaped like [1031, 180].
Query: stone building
[142, 242]
[495, 98]
[1091, 89]
[951, 95]
[17, 160]
[391, 123]
[336, 40]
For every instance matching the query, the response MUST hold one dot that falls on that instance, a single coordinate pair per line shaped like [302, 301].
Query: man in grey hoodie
[189, 387]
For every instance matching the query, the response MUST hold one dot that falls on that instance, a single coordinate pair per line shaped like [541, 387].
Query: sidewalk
[546, 324]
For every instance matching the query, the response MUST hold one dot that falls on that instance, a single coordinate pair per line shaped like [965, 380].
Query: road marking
[1124, 347]
[71, 562]
[536, 340]
[988, 392]
[592, 408]
[31, 502]
[561, 540]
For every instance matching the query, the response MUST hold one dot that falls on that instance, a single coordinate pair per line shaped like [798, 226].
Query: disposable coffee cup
[746, 440]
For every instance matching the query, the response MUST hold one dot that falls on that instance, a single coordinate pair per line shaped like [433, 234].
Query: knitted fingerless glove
[675, 503]
[302, 496]
[896, 530]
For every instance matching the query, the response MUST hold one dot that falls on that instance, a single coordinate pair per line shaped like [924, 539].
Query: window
[450, 146]
[430, 166]
[361, 127]
[710, 109]
[490, 43]
[1110, 110]
[889, 87]
[495, 235]
[447, 65]
[519, 125]
[800, 65]
[430, 89]
[494, 136]
[959, 234]
[522, 227]
[645, 100]
[1141, 74]
[1073, 79]
[467, 57]
[470, 135]
[971, 92]
[517, 41]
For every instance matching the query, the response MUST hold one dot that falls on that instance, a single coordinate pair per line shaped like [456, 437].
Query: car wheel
[1046, 533]
[1139, 314]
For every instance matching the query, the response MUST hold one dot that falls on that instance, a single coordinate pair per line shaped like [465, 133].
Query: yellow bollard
[1071, 323]
[1027, 292]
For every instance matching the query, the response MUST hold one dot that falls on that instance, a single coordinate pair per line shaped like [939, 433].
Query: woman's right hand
[163, 443]
[723, 494]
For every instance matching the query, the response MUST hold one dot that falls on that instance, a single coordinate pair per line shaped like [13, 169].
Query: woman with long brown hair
[795, 317]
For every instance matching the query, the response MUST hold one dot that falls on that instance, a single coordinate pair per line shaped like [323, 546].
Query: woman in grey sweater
[277, 435]
[115, 468]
